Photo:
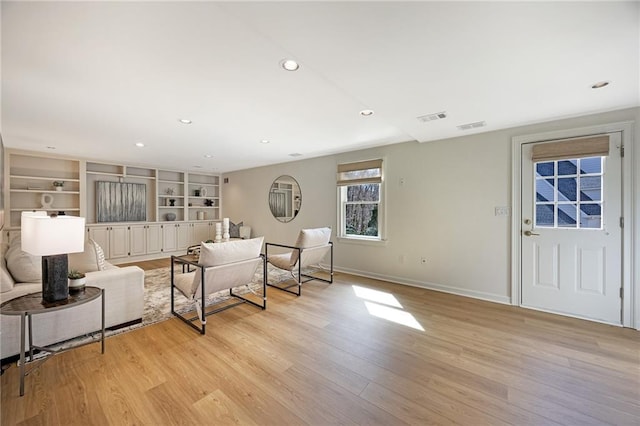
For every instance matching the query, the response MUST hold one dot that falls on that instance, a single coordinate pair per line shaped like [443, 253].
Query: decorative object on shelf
[218, 237]
[61, 213]
[208, 203]
[52, 238]
[203, 192]
[172, 202]
[190, 204]
[77, 280]
[169, 191]
[225, 229]
[200, 215]
[46, 200]
[196, 192]
[58, 184]
[170, 216]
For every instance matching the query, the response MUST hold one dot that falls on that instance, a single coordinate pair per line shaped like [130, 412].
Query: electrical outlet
[423, 260]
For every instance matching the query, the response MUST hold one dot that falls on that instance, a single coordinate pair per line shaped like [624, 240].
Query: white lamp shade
[44, 236]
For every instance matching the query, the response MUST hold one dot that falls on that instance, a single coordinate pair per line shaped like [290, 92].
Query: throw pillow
[23, 267]
[234, 229]
[86, 261]
[102, 264]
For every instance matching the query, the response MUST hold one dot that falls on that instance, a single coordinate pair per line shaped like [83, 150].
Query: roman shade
[360, 172]
[594, 146]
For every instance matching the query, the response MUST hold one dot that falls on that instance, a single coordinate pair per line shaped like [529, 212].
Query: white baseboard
[429, 286]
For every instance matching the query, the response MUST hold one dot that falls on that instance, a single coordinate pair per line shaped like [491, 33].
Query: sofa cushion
[216, 254]
[310, 238]
[23, 267]
[88, 260]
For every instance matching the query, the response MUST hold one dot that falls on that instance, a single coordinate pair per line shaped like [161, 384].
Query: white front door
[570, 234]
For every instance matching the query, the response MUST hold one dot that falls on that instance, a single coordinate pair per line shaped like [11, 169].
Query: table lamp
[52, 237]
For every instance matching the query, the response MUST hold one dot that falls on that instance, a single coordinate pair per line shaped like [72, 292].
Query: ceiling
[92, 79]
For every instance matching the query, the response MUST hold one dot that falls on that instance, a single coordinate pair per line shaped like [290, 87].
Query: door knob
[529, 233]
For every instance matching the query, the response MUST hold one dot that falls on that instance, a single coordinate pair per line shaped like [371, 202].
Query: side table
[32, 304]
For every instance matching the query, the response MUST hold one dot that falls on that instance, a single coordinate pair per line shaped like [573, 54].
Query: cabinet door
[100, 234]
[154, 239]
[200, 232]
[138, 240]
[183, 235]
[118, 241]
[169, 241]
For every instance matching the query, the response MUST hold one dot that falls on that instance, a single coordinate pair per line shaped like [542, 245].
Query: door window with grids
[569, 193]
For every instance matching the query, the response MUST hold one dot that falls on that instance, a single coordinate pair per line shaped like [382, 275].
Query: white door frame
[630, 306]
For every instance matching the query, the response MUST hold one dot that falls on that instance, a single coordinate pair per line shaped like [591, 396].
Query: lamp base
[55, 285]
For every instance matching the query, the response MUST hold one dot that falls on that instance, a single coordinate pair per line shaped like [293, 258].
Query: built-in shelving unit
[107, 172]
[30, 181]
[170, 195]
[203, 197]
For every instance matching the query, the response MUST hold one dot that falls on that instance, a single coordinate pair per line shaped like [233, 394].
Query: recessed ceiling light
[51, 147]
[366, 112]
[208, 156]
[139, 144]
[600, 84]
[185, 121]
[265, 141]
[289, 65]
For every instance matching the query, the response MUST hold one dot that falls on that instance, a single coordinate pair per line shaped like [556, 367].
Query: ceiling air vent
[431, 117]
[470, 126]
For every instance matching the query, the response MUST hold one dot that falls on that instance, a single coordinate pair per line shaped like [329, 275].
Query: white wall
[444, 211]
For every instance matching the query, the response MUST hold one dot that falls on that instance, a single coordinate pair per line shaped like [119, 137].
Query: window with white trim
[360, 200]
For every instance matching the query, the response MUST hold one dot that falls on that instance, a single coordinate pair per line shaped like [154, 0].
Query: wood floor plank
[328, 357]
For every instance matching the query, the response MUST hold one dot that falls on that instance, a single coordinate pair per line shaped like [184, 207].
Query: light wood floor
[332, 357]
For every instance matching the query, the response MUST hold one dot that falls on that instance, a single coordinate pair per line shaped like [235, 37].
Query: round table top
[33, 303]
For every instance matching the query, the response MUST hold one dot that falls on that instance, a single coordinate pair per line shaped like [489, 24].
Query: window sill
[362, 241]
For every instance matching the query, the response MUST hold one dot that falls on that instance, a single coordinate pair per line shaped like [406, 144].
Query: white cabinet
[100, 234]
[201, 231]
[169, 237]
[118, 241]
[138, 240]
[177, 236]
[154, 238]
[114, 240]
[145, 239]
[183, 235]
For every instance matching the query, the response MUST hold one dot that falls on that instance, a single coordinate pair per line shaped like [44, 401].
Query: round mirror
[285, 198]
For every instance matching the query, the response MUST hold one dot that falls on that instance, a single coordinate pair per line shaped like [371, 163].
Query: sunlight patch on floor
[376, 296]
[384, 305]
